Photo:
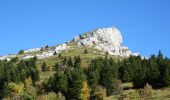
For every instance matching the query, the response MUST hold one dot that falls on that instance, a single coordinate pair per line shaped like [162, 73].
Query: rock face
[106, 39]
[32, 50]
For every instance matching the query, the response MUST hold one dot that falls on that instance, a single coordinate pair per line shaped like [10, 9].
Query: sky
[24, 24]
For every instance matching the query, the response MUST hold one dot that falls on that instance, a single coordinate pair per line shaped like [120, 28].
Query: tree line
[103, 76]
[16, 71]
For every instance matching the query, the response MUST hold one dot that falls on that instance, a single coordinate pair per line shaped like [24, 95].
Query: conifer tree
[166, 73]
[70, 62]
[107, 78]
[154, 74]
[75, 84]
[44, 67]
[126, 77]
[56, 67]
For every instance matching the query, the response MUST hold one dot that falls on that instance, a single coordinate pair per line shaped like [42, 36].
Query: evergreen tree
[107, 78]
[70, 62]
[85, 51]
[60, 83]
[166, 73]
[56, 67]
[75, 84]
[21, 52]
[126, 77]
[55, 53]
[77, 61]
[64, 61]
[46, 47]
[44, 67]
[154, 74]
[92, 81]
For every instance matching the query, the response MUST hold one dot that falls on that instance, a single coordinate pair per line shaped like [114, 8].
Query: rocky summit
[105, 39]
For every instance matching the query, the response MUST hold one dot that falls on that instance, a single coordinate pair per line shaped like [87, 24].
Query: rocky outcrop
[105, 39]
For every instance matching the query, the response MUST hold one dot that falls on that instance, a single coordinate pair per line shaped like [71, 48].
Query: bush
[15, 88]
[29, 94]
[21, 51]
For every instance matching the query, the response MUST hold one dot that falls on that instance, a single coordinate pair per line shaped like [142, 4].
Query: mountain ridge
[103, 39]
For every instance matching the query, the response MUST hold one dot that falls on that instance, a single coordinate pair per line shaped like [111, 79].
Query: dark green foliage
[75, 84]
[58, 83]
[166, 73]
[46, 47]
[93, 74]
[126, 77]
[56, 67]
[153, 72]
[44, 67]
[77, 61]
[16, 71]
[70, 62]
[59, 55]
[21, 52]
[64, 61]
[55, 53]
[69, 81]
[14, 59]
[85, 51]
[107, 78]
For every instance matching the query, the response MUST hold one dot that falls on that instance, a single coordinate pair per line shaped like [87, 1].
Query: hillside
[92, 66]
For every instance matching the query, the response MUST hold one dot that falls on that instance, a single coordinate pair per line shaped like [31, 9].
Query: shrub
[21, 51]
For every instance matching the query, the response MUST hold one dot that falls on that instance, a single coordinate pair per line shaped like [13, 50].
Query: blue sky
[145, 24]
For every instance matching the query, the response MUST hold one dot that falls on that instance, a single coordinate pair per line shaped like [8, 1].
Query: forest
[71, 81]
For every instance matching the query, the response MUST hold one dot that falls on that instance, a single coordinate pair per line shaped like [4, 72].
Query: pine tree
[75, 84]
[21, 52]
[55, 53]
[85, 51]
[92, 81]
[166, 73]
[70, 62]
[60, 83]
[77, 61]
[126, 77]
[44, 67]
[107, 78]
[154, 74]
[64, 61]
[56, 67]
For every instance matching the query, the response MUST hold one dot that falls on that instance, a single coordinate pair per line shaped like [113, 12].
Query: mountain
[105, 40]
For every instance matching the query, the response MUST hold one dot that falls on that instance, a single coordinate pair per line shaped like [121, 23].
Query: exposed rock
[28, 56]
[7, 57]
[106, 39]
[32, 50]
[60, 48]
[45, 54]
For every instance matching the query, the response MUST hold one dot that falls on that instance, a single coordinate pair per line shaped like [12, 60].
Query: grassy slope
[74, 51]
[133, 94]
